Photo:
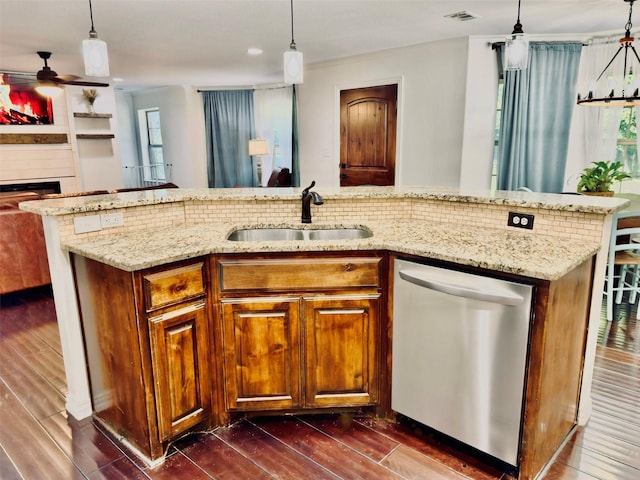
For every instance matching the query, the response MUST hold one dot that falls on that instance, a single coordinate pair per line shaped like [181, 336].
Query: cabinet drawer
[299, 274]
[174, 285]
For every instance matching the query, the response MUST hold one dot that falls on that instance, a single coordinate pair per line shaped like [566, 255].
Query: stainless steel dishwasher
[459, 352]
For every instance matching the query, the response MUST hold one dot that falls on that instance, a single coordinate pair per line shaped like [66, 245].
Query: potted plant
[599, 179]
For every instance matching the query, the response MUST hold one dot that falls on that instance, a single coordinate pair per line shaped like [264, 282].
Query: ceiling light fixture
[293, 69]
[516, 47]
[628, 93]
[94, 51]
[48, 88]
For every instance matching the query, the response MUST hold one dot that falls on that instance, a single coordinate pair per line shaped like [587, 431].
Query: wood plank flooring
[39, 441]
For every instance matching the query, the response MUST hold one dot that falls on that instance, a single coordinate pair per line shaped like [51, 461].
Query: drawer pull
[349, 267]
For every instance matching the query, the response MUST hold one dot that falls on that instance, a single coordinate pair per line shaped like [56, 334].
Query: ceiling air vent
[462, 16]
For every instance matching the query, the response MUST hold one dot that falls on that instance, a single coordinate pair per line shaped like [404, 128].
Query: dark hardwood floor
[39, 440]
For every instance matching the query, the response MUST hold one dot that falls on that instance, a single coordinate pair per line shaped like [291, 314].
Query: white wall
[446, 115]
[431, 111]
[129, 145]
[445, 120]
[480, 114]
[182, 121]
[99, 162]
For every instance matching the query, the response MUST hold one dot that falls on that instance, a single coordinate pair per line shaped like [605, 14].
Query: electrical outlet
[87, 223]
[520, 220]
[108, 220]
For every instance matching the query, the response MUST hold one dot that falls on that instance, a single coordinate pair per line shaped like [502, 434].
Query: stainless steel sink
[288, 234]
[337, 234]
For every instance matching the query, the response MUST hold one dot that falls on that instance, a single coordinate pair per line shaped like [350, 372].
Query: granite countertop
[93, 203]
[535, 256]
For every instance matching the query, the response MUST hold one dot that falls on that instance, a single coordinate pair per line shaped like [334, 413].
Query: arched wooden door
[368, 135]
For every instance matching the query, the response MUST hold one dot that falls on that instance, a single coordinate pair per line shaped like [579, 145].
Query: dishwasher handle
[422, 279]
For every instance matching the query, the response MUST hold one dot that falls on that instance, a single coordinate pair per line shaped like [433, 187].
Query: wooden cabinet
[262, 353]
[179, 360]
[340, 345]
[148, 349]
[300, 332]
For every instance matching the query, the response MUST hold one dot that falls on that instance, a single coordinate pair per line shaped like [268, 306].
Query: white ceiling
[204, 42]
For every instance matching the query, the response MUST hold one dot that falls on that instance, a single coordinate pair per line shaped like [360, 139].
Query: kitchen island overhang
[441, 224]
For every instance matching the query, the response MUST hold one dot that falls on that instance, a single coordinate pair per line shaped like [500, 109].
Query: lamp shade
[96, 57]
[516, 55]
[258, 147]
[293, 67]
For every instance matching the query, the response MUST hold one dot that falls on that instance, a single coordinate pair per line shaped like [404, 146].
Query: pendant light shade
[94, 51]
[516, 55]
[293, 67]
[609, 91]
[293, 60]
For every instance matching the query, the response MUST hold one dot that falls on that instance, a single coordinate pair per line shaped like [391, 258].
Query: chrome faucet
[307, 196]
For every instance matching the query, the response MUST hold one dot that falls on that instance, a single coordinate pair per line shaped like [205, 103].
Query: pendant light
[516, 53]
[94, 51]
[627, 94]
[293, 69]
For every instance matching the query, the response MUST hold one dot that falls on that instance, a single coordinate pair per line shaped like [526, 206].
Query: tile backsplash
[574, 226]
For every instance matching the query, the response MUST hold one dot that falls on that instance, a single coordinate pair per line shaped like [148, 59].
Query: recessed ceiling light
[254, 51]
[117, 79]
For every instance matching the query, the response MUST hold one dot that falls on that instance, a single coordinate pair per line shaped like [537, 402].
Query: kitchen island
[168, 235]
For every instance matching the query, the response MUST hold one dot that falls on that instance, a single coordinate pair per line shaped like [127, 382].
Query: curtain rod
[495, 45]
[249, 88]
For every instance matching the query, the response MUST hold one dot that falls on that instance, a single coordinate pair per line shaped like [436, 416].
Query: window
[153, 169]
[626, 149]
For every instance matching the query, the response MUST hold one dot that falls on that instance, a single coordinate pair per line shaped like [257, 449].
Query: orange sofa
[23, 255]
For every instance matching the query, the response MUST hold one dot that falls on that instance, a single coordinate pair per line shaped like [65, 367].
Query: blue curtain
[229, 126]
[537, 106]
[295, 155]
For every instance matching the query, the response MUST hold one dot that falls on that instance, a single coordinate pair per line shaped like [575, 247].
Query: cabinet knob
[348, 267]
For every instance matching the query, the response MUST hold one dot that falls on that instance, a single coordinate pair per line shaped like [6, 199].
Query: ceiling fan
[46, 75]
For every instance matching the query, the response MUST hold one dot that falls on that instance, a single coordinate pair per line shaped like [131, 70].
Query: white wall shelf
[94, 136]
[91, 115]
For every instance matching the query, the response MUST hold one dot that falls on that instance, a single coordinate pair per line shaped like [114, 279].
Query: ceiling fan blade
[65, 78]
[83, 83]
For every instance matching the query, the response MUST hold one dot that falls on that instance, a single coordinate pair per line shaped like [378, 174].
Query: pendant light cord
[92, 31]
[517, 28]
[629, 26]
[292, 45]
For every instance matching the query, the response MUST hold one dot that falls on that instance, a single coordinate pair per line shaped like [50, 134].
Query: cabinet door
[261, 353]
[179, 354]
[341, 349]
